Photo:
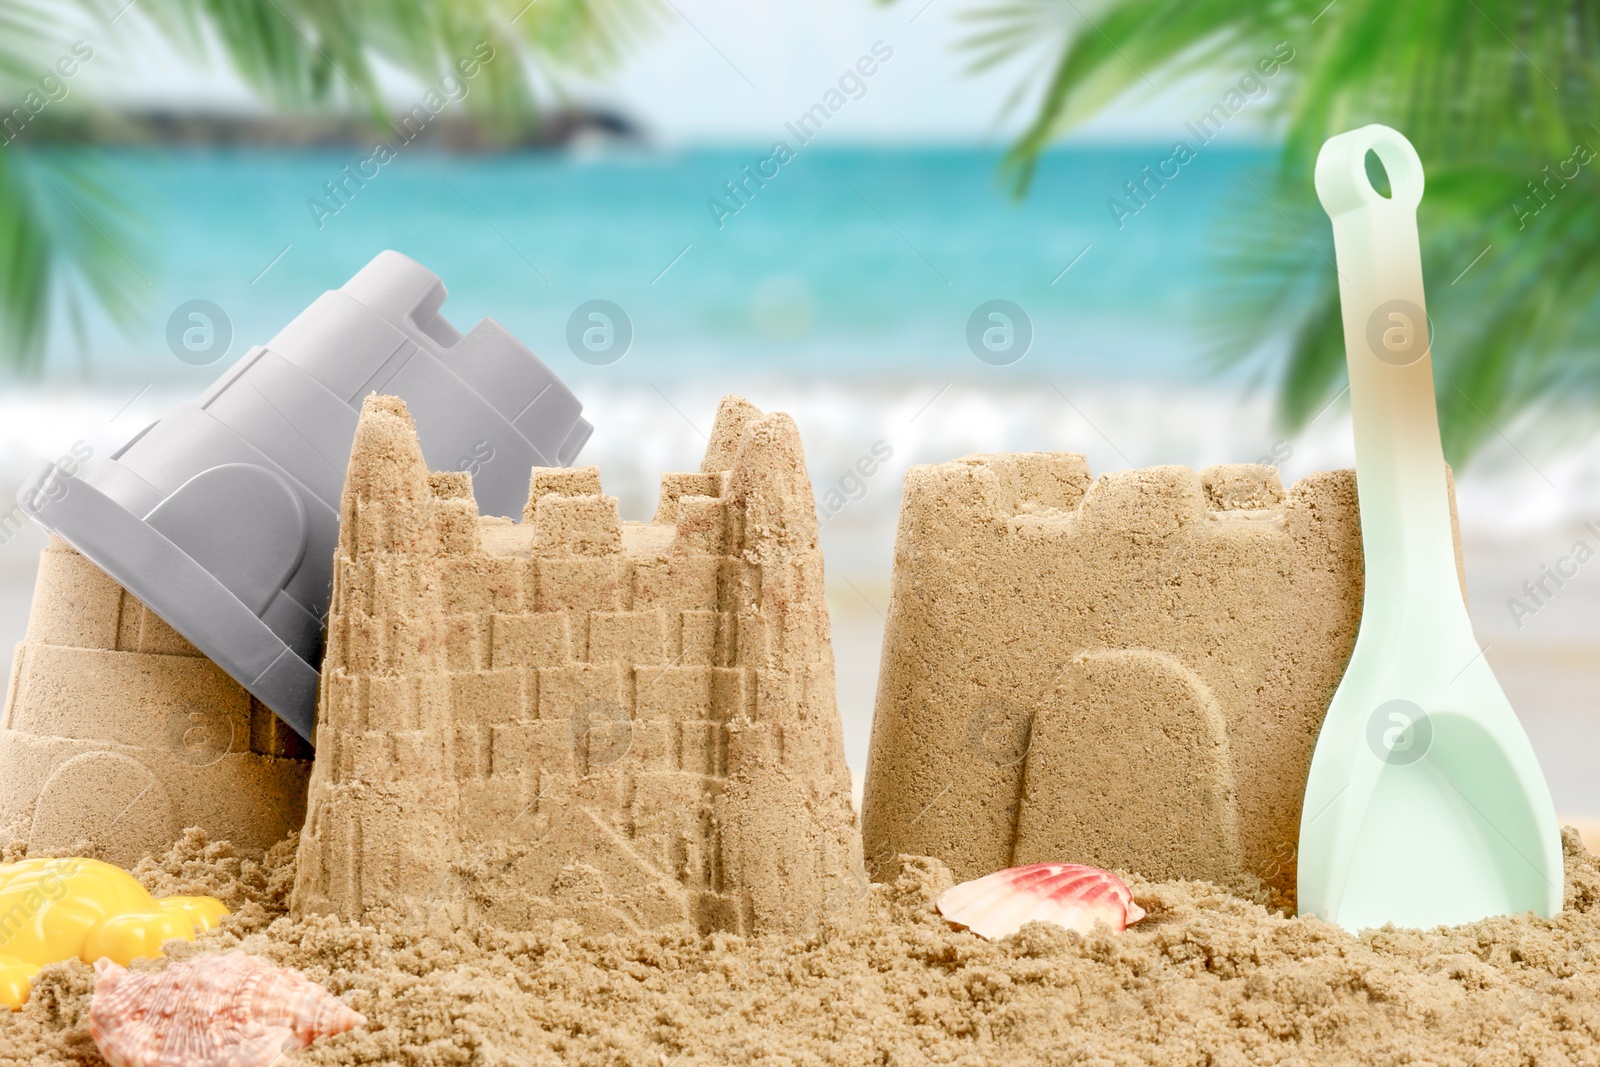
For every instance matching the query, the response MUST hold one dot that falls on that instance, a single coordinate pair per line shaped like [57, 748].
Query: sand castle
[118, 733]
[1129, 672]
[632, 724]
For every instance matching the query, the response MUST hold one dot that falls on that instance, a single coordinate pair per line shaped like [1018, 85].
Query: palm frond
[65, 237]
[1492, 93]
[62, 231]
[28, 28]
[303, 53]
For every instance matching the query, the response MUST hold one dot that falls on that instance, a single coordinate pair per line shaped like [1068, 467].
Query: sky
[741, 70]
[726, 71]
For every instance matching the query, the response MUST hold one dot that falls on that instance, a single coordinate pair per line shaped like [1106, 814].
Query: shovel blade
[1442, 816]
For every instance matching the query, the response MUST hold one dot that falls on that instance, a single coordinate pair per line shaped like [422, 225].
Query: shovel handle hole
[1378, 175]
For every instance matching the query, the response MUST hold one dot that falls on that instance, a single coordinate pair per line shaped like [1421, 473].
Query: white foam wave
[642, 430]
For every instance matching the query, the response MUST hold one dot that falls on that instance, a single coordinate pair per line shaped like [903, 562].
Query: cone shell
[997, 905]
[231, 1010]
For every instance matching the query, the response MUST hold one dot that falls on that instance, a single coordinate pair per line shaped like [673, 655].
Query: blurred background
[818, 205]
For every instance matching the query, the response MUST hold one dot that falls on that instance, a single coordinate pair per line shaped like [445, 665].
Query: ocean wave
[644, 430]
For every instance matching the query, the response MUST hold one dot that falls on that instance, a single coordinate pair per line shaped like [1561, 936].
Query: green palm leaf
[64, 241]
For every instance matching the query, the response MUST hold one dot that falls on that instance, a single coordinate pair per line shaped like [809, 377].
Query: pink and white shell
[1067, 894]
[231, 1010]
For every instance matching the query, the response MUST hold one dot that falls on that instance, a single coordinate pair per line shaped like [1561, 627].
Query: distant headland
[455, 133]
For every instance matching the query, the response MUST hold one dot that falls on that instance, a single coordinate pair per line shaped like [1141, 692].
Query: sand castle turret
[119, 733]
[632, 724]
[1129, 672]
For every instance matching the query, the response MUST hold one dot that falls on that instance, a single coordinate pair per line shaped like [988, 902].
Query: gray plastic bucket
[222, 516]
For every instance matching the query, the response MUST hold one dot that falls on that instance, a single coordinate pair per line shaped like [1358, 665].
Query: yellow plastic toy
[55, 909]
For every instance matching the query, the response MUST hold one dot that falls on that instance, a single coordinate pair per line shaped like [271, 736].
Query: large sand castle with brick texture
[632, 724]
[1129, 672]
[119, 734]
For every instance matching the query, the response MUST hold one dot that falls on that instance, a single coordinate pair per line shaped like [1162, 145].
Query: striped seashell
[231, 1010]
[1067, 894]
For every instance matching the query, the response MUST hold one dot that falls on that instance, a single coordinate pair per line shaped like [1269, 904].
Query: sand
[1208, 978]
[1130, 671]
[117, 733]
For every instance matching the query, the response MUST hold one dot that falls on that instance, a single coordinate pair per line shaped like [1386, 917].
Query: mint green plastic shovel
[1425, 804]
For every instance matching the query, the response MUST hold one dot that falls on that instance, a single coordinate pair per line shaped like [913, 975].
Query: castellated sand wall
[1129, 672]
[118, 734]
[630, 724]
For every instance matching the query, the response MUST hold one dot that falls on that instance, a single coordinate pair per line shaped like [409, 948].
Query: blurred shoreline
[189, 128]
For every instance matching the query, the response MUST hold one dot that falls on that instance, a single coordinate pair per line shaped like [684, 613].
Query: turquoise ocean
[847, 263]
